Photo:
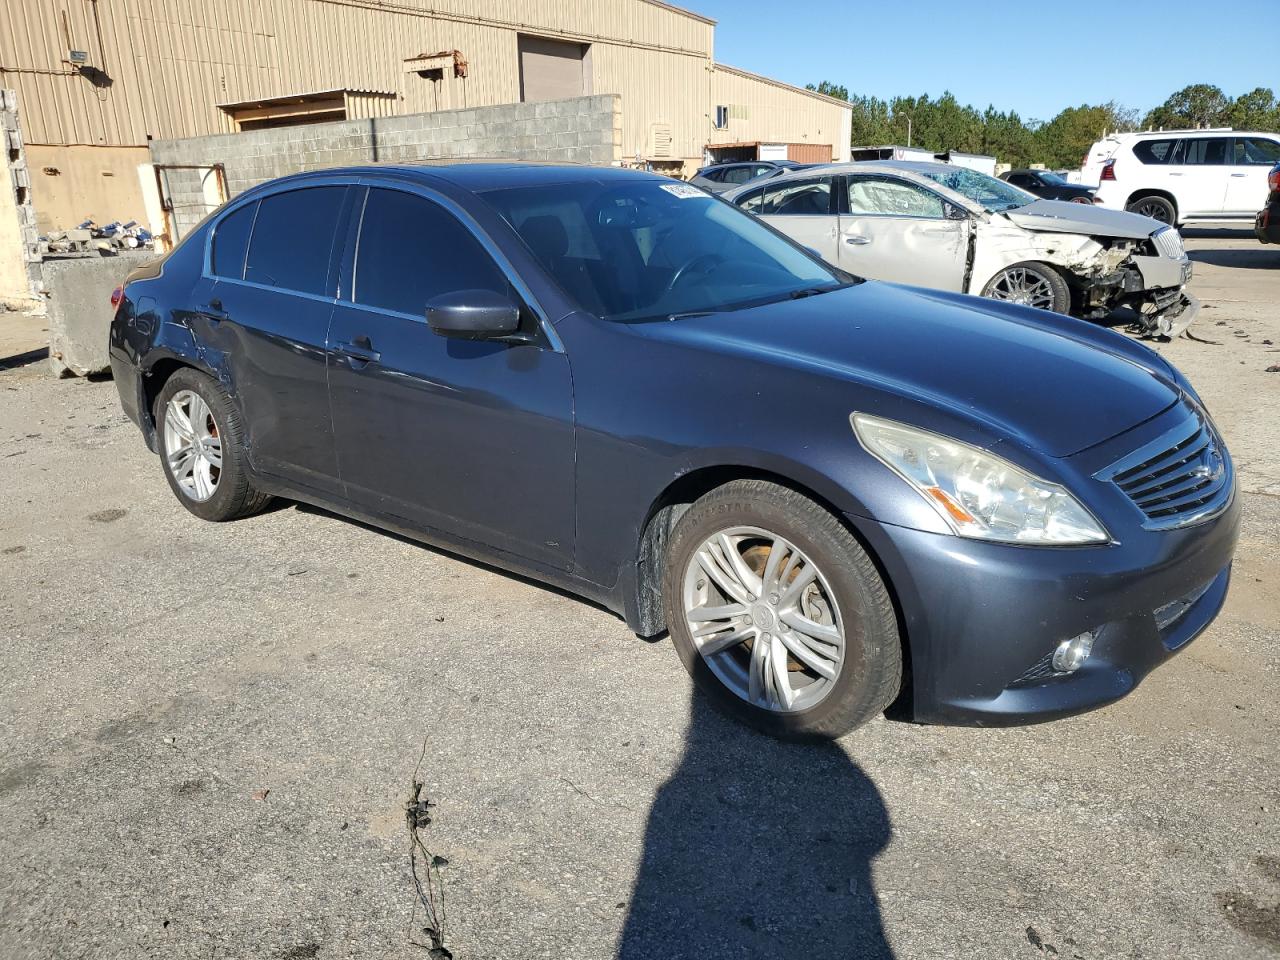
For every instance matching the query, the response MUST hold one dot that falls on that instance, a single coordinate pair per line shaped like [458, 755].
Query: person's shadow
[757, 848]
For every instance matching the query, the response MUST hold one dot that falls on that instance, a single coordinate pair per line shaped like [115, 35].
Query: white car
[950, 228]
[1184, 176]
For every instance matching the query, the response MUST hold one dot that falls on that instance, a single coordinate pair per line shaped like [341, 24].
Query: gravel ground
[208, 732]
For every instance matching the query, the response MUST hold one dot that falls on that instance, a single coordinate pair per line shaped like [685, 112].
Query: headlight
[977, 493]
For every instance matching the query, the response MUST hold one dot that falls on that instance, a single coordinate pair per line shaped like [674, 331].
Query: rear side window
[1257, 151]
[738, 175]
[1206, 152]
[798, 198]
[753, 200]
[1156, 151]
[412, 250]
[231, 242]
[292, 239]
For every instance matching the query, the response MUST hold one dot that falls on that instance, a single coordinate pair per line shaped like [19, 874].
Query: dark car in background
[719, 177]
[1267, 224]
[1049, 185]
[624, 386]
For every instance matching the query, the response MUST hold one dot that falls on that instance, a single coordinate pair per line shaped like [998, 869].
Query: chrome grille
[1180, 478]
[1169, 242]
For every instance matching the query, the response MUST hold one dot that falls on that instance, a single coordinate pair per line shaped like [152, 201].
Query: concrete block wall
[579, 130]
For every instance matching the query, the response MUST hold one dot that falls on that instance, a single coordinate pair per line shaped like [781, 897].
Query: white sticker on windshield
[683, 190]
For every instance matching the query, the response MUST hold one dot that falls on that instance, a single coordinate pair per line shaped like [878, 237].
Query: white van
[1184, 176]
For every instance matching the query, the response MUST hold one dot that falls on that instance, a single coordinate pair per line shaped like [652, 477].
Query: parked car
[1184, 176]
[1266, 224]
[627, 387]
[1048, 185]
[720, 177]
[946, 227]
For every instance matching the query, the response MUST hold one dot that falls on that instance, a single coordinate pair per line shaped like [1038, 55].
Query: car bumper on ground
[983, 619]
[1266, 226]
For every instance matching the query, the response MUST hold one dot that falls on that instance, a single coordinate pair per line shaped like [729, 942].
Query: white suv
[1184, 176]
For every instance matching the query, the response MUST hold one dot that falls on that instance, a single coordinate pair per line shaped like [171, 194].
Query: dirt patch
[108, 516]
[1248, 915]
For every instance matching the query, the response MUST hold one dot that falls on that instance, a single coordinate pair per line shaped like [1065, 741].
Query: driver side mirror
[473, 315]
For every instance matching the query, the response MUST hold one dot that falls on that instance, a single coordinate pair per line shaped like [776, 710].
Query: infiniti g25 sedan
[834, 494]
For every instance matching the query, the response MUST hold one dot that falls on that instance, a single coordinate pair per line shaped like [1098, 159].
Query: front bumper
[1266, 225]
[982, 618]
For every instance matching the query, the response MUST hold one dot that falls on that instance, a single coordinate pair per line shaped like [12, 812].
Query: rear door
[1202, 170]
[269, 314]
[892, 229]
[473, 438]
[804, 210]
[1247, 186]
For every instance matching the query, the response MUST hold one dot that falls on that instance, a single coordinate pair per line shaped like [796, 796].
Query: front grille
[1169, 242]
[1180, 478]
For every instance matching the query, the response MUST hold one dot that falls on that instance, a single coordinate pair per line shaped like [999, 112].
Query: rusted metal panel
[809, 152]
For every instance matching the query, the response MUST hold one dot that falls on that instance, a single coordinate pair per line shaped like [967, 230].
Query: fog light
[1071, 654]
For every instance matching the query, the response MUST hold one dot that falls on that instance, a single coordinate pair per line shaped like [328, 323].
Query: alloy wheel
[764, 619]
[192, 445]
[1154, 209]
[1024, 286]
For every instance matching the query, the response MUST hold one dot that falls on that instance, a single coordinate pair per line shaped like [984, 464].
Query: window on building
[412, 251]
[231, 242]
[892, 198]
[293, 238]
[553, 69]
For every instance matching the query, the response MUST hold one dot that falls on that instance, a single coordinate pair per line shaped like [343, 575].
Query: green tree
[1255, 110]
[826, 88]
[1197, 105]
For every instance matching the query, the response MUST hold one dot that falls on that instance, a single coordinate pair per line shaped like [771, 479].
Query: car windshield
[1050, 177]
[648, 250]
[992, 194]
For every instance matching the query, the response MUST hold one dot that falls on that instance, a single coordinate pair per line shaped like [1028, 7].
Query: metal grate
[1180, 478]
[1169, 242]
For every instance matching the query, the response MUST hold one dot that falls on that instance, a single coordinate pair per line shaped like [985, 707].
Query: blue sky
[1136, 52]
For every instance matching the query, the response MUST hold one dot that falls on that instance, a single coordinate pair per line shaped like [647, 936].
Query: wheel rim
[1156, 211]
[764, 619]
[192, 445]
[1023, 285]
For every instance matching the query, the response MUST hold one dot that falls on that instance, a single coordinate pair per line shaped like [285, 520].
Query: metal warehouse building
[98, 80]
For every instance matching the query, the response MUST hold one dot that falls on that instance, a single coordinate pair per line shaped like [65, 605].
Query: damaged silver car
[952, 228]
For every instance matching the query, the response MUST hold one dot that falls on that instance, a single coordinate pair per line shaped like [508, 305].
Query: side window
[752, 201]
[1206, 152]
[1257, 151]
[1155, 151]
[737, 175]
[293, 237]
[798, 198]
[1021, 180]
[892, 198]
[412, 250]
[231, 242]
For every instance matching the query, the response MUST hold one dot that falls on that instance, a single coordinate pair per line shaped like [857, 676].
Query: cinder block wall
[579, 130]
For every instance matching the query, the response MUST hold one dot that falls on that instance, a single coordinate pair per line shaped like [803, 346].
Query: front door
[472, 438]
[892, 229]
[269, 312]
[1247, 185]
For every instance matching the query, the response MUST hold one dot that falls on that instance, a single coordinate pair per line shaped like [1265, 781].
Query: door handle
[213, 310]
[857, 240]
[1239, 174]
[359, 352]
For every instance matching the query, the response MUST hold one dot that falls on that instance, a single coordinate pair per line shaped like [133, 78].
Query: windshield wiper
[813, 291]
[691, 314]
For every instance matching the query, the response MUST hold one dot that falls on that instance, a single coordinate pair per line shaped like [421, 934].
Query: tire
[1031, 284]
[215, 491]
[1155, 207]
[846, 598]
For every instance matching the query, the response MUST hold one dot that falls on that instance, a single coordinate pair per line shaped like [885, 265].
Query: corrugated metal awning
[301, 98]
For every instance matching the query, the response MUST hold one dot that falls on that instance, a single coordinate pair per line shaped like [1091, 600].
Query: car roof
[480, 177]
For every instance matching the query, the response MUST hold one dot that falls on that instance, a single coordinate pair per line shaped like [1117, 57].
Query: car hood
[1056, 383]
[1061, 216]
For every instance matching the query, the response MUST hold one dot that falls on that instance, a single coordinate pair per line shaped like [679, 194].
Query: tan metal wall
[169, 62]
[766, 110]
[77, 183]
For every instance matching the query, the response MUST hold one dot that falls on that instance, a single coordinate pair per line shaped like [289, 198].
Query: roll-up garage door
[551, 69]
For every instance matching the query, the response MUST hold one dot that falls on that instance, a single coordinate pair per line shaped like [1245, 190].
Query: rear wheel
[779, 614]
[1032, 285]
[1157, 208]
[202, 448]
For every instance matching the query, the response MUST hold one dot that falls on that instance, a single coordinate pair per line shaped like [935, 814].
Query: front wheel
[1032, 285]
[779, 614]
[1157, 208]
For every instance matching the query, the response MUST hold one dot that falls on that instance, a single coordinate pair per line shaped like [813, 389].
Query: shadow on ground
[1260, 258]
[756, 848]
